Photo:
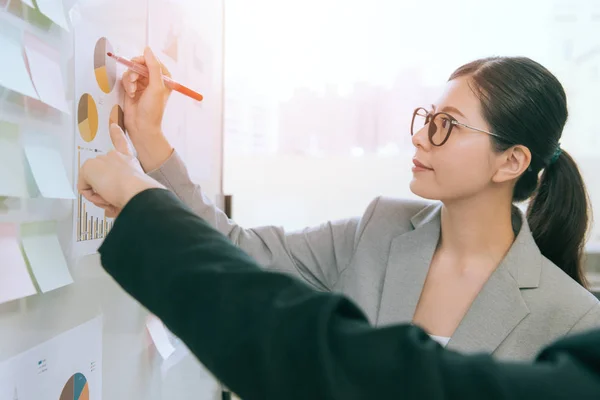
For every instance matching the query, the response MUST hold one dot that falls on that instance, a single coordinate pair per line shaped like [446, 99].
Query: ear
[512, 164]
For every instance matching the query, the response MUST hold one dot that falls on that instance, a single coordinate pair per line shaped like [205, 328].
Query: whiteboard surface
[131, 365]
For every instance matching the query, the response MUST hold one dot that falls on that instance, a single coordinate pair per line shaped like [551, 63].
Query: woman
[470, 268]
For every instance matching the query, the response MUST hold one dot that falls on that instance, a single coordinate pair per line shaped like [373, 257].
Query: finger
[119, 140]
[142, 82]
[130, 76]
[129, 86]
[96, 199]
[154, 69]
[133, 76]
[139, 60]
[164, 69]
[83, 182]
[111, 211]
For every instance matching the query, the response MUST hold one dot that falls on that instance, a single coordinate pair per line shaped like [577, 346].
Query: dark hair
[526, 105]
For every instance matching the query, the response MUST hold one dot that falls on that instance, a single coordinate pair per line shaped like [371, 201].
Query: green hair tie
[556, 155]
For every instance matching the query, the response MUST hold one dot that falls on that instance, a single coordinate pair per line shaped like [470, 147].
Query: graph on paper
[92, 223]
[105, 68]
[76, 388]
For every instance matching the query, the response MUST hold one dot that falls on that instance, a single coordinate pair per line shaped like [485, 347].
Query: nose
[421, 138]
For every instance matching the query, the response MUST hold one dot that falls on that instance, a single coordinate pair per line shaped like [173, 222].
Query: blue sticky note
[49, 172]
[13, 70]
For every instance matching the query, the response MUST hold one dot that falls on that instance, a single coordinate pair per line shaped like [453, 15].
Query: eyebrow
[450, 109]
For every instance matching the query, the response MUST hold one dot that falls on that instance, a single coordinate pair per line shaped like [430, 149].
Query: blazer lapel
[496, 311]
[499, 307]
[408, 263]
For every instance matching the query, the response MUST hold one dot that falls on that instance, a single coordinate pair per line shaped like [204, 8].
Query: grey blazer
[381, 260]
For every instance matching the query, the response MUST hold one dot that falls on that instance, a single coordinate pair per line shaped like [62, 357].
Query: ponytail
[559, 216]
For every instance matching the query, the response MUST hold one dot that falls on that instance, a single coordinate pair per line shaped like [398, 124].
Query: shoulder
[565, 296]
[390, 216]
[393, 210]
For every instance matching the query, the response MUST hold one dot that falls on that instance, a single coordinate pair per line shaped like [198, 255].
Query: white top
[440, 339]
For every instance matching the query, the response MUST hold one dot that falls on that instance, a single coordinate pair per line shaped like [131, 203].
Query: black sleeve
[267, 335]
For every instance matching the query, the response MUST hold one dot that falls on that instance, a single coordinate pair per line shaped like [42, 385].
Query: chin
[423, 189]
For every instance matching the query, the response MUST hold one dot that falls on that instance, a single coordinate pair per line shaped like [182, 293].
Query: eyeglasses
[439, 125]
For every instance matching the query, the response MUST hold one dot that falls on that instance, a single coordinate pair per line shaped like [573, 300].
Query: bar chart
[92, 223]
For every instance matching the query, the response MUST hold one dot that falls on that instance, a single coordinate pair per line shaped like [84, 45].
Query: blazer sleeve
[317, 254]
[266, 335]
[589, 320]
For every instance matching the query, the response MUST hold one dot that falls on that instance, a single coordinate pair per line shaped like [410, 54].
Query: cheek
[460, 171]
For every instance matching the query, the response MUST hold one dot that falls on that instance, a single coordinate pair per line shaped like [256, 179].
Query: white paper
[99, 100]
[13, 178]
[44, 64]
[49, 172]
[160, 336]
[13, 70]
[167, 39]
[48, 370]
[29, 3]
[15, 281]
[45, 256]
[54, 10]
[181, 353]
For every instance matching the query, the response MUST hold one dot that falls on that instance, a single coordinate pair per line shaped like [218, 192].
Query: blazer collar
[497, 309]
[523, 260]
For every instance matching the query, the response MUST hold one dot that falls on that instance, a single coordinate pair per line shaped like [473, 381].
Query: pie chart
[105, 67]
[87, 117]
[117, 117]
[77, 388]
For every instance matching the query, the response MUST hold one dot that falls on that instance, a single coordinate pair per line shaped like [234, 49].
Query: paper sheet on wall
[190, 126]
[55, 10]
[160, 336]
[45, 255]
[13, 178]
[49, 172]
[167, 39]
[44, 64]
[171, 349]
[13, 70]
[15, 281]
[68, 366]
[99, 103]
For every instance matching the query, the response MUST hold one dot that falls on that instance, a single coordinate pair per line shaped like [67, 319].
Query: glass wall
[319, 93]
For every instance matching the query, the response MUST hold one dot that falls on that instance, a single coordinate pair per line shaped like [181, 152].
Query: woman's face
[465, 164]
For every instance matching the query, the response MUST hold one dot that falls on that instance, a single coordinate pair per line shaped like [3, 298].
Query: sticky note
[13, 177]
[15, 281]
[55, 10]
[49, 172]
[160, 336]
[45, 255]
[44, 65]
[13, 70]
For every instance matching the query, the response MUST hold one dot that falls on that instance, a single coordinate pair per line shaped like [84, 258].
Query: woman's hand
[110, 181]
[145, 103]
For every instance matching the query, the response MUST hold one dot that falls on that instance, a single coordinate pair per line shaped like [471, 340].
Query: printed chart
[66, 367]
[87, 118]
[117, 117]
[100, 97]
[105, 68]
[92, 223]
[77, 388]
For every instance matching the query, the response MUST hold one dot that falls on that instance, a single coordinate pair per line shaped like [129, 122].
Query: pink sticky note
[15, 281]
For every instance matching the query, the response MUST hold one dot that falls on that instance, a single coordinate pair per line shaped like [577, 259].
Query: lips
[420, 165]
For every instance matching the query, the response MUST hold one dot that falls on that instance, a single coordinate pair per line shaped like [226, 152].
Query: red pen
[143, 70]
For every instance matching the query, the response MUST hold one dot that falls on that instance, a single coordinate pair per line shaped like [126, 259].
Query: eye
[446, 122]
